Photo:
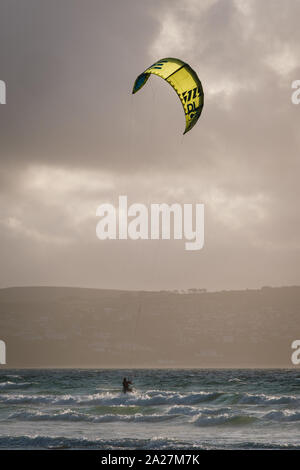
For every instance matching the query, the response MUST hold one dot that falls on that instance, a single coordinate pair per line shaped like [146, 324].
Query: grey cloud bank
[73, 137]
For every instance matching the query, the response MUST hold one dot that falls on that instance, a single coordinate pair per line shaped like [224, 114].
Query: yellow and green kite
[185, 82]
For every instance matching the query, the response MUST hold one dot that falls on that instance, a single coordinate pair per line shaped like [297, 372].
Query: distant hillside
[73, 327]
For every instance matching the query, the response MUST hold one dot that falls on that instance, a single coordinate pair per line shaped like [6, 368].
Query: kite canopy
[184, 81]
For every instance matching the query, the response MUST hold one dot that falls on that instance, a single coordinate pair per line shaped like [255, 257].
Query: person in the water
[126, 384]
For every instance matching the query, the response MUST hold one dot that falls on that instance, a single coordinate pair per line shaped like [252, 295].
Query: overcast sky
[72, 136]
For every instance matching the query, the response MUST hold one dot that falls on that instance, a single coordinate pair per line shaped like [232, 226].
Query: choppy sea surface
[168, 409]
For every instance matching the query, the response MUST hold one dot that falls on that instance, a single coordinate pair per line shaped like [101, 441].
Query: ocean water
[168, 409]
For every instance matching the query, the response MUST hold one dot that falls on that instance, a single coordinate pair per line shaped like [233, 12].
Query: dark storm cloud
[72, 136]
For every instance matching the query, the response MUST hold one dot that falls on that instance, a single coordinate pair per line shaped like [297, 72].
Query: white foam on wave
[72, 415]
[49, 442]
[109, 399]
[193, 410]
[262, 399]
[153, 398]
[231, 418]
[11, 385]
[282, 415]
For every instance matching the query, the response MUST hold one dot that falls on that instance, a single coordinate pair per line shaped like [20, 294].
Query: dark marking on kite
[187, 95]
